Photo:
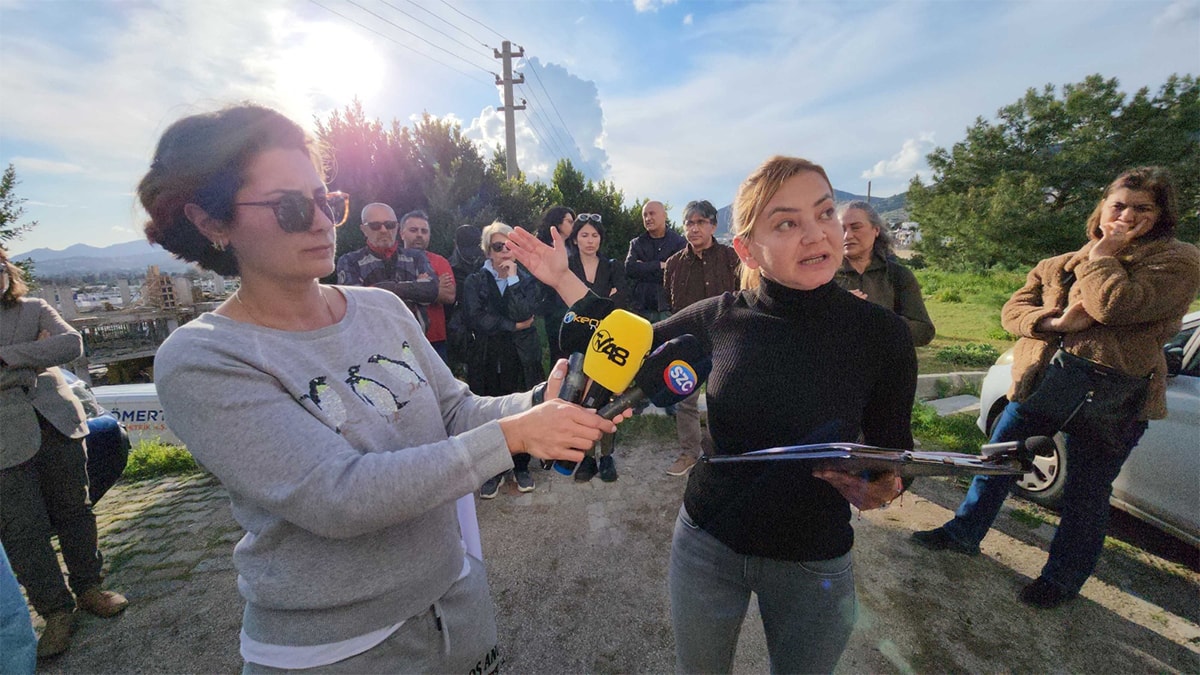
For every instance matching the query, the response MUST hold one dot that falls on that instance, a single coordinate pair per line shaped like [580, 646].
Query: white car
[1160, 482]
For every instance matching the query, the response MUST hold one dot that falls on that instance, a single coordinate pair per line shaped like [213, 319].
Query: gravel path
[579, 577]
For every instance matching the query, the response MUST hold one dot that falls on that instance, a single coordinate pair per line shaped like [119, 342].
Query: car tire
[1043, 485]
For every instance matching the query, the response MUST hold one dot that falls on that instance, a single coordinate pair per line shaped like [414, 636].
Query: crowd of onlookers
[350, 451]
[479, 307]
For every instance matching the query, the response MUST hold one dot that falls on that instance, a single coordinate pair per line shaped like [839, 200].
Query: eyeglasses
[378, 225]
[295, 212]
[697, 222]
[585, 217]
[497, 246]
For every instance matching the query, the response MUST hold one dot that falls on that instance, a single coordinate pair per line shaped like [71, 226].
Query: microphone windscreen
[580, 322]
[674, 371]
[617, 350]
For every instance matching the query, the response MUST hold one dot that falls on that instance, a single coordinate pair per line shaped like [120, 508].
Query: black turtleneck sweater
[792, 367]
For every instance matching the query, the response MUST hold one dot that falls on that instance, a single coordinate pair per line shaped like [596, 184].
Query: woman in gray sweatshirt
[341, 436]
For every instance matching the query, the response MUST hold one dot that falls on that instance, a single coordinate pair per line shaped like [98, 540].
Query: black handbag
[1080, 396]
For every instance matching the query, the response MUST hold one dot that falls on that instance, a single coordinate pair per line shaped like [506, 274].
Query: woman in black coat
[499, 303]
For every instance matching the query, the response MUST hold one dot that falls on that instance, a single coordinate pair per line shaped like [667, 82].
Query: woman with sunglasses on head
[605, 277]
[561, 219]
[341, 436]
[781, 375]
[498, 305]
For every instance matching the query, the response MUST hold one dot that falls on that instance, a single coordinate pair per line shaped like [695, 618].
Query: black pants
[500, 373]
[46, 495]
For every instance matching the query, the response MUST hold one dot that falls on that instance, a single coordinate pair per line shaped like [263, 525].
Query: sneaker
[1045, 594]
[939, 540]
[491, 486]
[586, 469]
[524, 480]
[104, 604]
[608, 469]
[682, 464]
[56, 636]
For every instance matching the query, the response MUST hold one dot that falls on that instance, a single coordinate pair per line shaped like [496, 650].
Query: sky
[670, 99]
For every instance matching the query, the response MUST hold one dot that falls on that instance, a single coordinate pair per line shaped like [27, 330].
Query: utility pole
[510, 130]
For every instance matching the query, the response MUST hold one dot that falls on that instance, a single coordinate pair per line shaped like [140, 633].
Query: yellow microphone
[615, 354]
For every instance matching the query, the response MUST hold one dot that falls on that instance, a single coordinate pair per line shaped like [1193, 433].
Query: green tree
[11, 208]
[1020, 189]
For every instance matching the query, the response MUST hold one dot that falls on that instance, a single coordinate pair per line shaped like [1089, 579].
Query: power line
[401, 44]
[545, 121]
[473, 19]
[537, 77]
[436, 30]
[438, 47]
[448, 22]
[548, 138]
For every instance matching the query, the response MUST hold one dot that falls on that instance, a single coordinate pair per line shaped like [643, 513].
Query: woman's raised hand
[546, 263]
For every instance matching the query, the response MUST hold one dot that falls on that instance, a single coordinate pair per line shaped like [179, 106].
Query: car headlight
[1006, 358]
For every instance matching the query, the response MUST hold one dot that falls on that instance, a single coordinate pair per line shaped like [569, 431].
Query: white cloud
[37, 165]
[46, 205]
[651, 5]
[562, 118]
[1185, 12]
[687, 20]
[122, 229]
[906, 162]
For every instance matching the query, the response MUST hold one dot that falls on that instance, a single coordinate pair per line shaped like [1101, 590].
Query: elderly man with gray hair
[385, 264]
[703, 269]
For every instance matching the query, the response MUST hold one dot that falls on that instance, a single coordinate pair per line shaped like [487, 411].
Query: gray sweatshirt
[343, 450]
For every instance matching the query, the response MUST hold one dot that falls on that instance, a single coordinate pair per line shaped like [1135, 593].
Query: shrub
[149, 459]
[970, 354]
[949, 295]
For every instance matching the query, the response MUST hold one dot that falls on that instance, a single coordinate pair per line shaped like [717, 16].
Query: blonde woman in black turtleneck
[795, 360]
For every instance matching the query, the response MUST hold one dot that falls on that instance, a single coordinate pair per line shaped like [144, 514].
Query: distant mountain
[132, 257]
[892, 208]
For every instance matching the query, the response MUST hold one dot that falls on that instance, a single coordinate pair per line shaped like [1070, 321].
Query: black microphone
[579, 323]
[669, 375]
[572, 390]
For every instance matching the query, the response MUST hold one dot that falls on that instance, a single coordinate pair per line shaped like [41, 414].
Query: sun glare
[331, 61]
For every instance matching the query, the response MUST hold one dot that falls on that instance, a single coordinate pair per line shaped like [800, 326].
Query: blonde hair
[496, 227]
[753, 195]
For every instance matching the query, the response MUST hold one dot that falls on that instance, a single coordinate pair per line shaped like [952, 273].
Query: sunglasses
[497, 246]
[378, 225]
[585, 217]
[295, 212]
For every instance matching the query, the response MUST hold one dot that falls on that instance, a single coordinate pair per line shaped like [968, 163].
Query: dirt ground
[578, 572]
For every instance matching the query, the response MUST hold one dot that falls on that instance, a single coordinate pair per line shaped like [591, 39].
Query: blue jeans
[1092, 468]
[19, 655]
[808, 608]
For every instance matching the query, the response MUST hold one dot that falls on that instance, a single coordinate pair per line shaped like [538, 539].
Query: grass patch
[965, 309]
[150, 459]
[1028, 518]
[953, 433]
[647, 428]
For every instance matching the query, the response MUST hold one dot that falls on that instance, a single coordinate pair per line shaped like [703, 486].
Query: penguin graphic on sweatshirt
[327, 401]
[373, 393]
[399, 369]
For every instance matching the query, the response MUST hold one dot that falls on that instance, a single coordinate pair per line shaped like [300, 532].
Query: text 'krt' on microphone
[669, 375]
[580, 322]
